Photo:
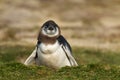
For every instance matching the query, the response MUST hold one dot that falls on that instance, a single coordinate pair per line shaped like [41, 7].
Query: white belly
[52, 57]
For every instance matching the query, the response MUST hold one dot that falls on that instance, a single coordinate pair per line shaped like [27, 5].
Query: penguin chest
[55, 59]
[49, 48]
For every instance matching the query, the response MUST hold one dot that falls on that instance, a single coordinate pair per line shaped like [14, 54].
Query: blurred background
[85, 23]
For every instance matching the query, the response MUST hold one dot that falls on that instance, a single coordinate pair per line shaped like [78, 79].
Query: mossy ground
[94, 64]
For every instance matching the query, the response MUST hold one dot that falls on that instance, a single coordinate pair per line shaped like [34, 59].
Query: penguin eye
[56, 27]
[45, 27]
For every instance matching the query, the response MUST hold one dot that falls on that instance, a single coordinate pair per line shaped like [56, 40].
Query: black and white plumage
[52, 49]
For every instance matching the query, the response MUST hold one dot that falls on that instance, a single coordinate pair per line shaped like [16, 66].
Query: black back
[63, 41]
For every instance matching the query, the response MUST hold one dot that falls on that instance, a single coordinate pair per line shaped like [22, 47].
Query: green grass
[94, 64]
[88, 56]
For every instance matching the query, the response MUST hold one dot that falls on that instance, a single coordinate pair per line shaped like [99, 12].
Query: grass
[94, 64]
[17, 71]
[88, 56]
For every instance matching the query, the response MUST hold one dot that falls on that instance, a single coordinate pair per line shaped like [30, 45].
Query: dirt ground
[84, 23]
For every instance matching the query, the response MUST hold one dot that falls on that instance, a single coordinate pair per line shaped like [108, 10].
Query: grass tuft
[93, 65]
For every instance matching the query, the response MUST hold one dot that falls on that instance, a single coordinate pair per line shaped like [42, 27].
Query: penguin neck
[47, 40]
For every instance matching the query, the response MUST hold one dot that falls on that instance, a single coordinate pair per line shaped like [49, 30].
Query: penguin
[52, 49]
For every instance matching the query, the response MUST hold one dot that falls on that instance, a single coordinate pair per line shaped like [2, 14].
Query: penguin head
[49, 32]
[50, 29]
